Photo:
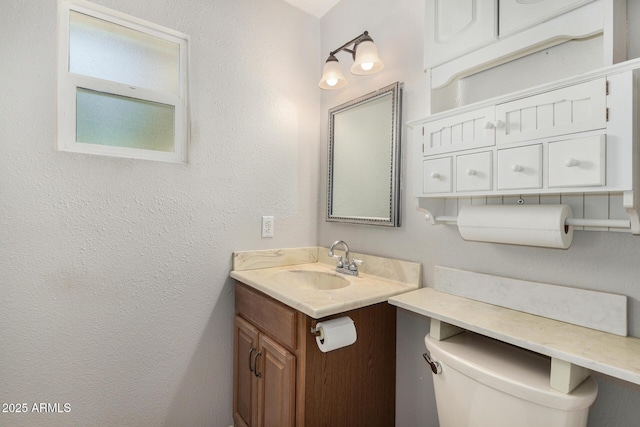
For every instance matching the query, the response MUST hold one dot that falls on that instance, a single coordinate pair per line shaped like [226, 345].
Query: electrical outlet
[267, 226]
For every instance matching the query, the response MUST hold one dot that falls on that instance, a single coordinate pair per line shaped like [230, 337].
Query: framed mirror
[364, 159]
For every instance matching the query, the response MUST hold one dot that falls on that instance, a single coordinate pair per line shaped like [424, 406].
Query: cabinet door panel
[245, 383]
[277, 388]
[576, 108]
[463, 131]
[517, 15]
[455, 27]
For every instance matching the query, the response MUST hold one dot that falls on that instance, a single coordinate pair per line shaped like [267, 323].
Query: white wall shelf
[573, 141]
[614, 355]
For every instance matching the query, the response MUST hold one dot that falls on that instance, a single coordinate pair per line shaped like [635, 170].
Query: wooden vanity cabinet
[281, 378]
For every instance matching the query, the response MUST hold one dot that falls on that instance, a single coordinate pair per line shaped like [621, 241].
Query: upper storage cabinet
[467, 36]
[571, 136]
[573, 140]
[518, 15]
[456, 27]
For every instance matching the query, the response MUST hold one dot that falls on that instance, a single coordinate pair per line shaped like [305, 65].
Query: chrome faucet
[346, 266]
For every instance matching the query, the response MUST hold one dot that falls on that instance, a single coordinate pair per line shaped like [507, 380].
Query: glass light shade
[367, 60]
[332, 77]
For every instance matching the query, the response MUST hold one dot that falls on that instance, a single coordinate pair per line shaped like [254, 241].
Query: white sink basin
[315, 280]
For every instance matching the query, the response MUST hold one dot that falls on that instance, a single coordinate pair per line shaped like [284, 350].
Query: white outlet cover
[267, 226]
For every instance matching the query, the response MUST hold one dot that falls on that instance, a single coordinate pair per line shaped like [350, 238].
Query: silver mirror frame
[393, 219]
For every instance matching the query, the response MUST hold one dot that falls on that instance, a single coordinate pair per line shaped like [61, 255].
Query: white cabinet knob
[471, 172]
[517, 168]
[497, 124]
[435, 175]
[571, 162]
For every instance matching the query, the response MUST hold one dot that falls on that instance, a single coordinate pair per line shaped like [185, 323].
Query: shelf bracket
[566, 376]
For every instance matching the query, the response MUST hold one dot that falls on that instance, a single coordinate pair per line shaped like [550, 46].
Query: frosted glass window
[108, 51]
[122, 85]
[107, 119]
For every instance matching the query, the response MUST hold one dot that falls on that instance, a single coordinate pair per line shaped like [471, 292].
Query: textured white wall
[596, 260]
[114, 288]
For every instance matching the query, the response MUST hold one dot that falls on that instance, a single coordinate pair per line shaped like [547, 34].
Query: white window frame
[69, 82]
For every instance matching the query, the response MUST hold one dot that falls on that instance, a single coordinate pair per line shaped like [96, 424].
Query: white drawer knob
[517, 168]
[471, 172]
[499, 123]
[435, 175]
[489, 125]
[571, 162]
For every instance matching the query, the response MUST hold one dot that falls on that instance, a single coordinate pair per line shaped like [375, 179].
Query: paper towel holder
[434, 210]
[576, 222]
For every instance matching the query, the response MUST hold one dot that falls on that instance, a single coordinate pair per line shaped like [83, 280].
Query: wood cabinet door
[456, 27]
[277, 391]
[245, 382]
[518, 15]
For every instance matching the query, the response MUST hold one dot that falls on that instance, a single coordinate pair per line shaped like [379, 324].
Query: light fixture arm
[355, 42]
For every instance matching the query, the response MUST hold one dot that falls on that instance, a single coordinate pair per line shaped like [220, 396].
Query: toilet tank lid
[510, 369]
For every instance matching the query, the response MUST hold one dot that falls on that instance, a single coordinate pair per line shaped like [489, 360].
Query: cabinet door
[456, 27]
[571, 109]
[517, 15]
[461, 132]
[245, 383]
[276, 402]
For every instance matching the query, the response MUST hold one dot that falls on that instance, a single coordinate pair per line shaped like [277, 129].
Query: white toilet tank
[488, 383]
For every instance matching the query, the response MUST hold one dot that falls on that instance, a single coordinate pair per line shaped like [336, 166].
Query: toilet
[487, 383]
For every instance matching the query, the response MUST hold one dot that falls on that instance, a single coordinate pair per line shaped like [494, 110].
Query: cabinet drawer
[437, 176]
[576, 108]
[464, 131]
[520, 168]
[577, 162]
[473, 172]
[272, 317]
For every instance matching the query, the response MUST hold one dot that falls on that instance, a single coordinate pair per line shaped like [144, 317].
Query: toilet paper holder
[317, 332]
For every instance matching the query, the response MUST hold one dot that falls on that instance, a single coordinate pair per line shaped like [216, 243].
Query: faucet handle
[339, 257]
[355, 263]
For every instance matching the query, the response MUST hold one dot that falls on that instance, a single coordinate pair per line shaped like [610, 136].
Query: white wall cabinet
[566, 139]
[456, 27]
[518, 15]
[467, 36]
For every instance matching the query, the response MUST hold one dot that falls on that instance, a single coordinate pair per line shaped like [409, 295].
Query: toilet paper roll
[530, 225]
[335, 333]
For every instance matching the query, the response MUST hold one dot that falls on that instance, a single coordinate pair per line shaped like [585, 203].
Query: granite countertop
[379, 279]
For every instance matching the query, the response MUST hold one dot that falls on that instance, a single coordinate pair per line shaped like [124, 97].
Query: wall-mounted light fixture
[365, 61]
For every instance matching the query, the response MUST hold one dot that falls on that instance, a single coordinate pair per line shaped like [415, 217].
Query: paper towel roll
[530, 225]
[335, 333]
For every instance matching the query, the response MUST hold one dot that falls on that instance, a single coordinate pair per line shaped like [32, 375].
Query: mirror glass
[364, 159]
